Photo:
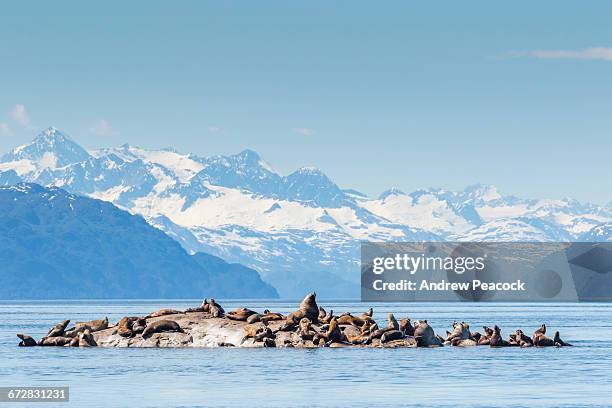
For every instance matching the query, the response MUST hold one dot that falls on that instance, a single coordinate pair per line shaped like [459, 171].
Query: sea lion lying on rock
[241, 314]
[161, 326]
[269, 316]
[163, 312]
[26, 341]
[54, 341]
[425, 335]
[92, 325]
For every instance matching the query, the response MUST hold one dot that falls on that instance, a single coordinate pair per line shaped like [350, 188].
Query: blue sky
[377, 95]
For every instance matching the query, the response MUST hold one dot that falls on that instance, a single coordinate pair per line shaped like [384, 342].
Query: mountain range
[301, 231]
[57, 245]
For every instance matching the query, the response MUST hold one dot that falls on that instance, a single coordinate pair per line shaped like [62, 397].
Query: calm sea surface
[444, 377]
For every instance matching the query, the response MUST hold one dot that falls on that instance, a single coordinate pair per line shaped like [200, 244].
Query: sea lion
[425, 335]
[138, 325]
[522, 340]
[93, 325]
[485, 338]
[124, 327]
[269, 316]
[496, 339]
[347, 318]
[249, 332]
[406, 327]
[241, 314]
[269, 342]
[368, 314]
[541, 331]
[559, 342]
[57, 341]
[327, 318]
[254, 318]
[305, 330]
[265, 333]
[86, 339]
[308, 308]
[460, 332]
[26, 341]
[162, 326]
[540, 339]
[204, 307]
[58, 330]
[322, 313]
[333, 333]
[163, 312]
[391, 335]
[215, 309]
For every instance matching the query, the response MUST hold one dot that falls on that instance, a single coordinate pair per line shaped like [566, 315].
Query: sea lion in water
[163, 312]
[425, 335]
[559, 342]
[162, 326]
[308, 308]
[26, 341]
[58, 330]
[241, 314]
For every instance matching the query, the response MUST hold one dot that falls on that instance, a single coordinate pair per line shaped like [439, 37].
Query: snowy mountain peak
[482, 192]
[390, 192]
[50, 149]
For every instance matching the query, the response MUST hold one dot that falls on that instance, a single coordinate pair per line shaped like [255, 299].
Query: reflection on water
[578, 376]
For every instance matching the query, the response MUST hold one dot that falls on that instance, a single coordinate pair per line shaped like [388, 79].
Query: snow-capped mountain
[296, 228]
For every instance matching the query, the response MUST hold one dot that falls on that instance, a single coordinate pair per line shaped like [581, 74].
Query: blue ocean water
[445, 377]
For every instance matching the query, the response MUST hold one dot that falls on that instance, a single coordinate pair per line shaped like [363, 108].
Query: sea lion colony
[309, 326]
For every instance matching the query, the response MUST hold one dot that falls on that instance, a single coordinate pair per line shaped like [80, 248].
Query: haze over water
[478, 376]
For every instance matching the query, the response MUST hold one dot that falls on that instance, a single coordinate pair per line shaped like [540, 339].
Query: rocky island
[209, 325]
